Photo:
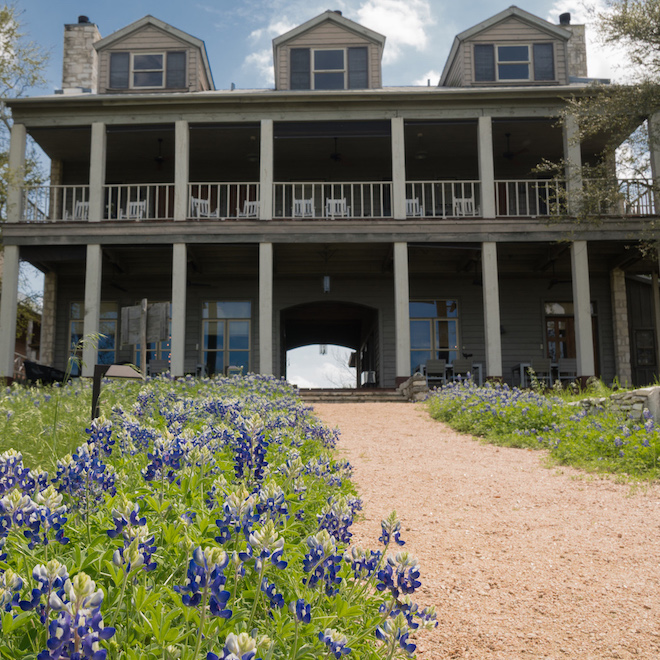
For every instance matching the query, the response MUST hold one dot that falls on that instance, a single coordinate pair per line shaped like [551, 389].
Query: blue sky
[238, 33]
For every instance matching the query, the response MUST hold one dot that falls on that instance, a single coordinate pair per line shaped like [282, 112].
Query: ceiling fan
[510, 155]
[335, 155]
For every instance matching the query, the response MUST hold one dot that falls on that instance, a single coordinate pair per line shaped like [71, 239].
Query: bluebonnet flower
[271, 501]
[416, 618]
[302, 610]
[363, 566]
[164, 459]
[49, 513]
[250, 449]
[205, 576]
[239, 514]
[399, 575]
[275, 599]
[337, 517]
[242, 647]
[51, 579]
[394, 632]
[335, 641]
[265, 544]
[322, 562]
[10, 587]
[100, 433]
[391, 529]
[78, 628]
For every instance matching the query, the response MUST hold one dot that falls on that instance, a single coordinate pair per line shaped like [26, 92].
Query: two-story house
[406, 223]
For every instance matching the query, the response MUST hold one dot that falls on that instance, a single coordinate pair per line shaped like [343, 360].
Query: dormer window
[148, 70]
[514, 63]
[335, 68]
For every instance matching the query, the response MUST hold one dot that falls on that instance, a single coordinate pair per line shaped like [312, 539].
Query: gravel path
[520, 560]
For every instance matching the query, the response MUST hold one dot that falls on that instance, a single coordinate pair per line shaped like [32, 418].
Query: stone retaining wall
[632, 403]
[415, 388]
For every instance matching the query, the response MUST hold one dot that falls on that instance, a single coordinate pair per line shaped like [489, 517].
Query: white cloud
[432, 75]
[403, 22]
[274, 29]
[261, 61]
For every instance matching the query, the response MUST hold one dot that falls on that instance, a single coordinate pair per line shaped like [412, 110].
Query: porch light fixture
[108, 371]
[326, 284]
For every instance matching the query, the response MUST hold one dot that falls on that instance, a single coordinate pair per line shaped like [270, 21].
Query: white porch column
[266, 171]
[48, 319]
[491, 310]
[181, 169]
[584, 341]
[91, 320]
[265, 308]
[486, 167]
[622, 364]
[178, 341]
[17, 170]
[573, 158]
[398, 170]
[97, 172]
[8, 310]
[401, 311]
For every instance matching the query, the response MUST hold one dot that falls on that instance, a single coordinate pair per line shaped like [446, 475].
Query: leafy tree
[617, 115]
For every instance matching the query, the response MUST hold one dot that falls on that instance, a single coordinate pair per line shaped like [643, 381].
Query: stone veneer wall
[80, 62]
[622, 366]
[633, 403]
[577, 51]
[414, 388]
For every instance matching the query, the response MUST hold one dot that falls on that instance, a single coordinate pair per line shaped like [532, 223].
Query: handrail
[222, 201]
[443, 199]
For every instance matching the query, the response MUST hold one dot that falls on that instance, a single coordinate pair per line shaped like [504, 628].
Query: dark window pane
[214, 334]
[176, 70]
[357, 68]
[418, 360]
[239, 359]
[422, 310]
[148, 79]
[328, 59]
[239, 335]
[329, 80]
[544, 62]
[214, 362]
[119, 70]
[300, 68]
[420, 335]
[106, 357]
[484, 62]
[512, 53]
[513, 71]
[143, 62]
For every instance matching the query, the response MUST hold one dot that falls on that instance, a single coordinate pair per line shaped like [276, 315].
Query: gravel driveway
[521, 560]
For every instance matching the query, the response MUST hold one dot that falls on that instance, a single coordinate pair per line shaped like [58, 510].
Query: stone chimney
[576, 48]
[80, 63]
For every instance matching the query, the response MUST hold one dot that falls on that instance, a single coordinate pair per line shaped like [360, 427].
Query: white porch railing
[46, 203]
[443, 199]
[355, 199]
[530, 198]
[223, 200]
[638, 196]
[143, 201]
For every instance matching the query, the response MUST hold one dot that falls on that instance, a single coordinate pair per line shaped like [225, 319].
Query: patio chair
[134, 211]
[413, 208]
[567, 369]
[80, 212]
[436, 370]
[460, 368]
[337, 208]
[250, 210]
[201, 208]
[464, 206]
[542, 369]
[303, 208]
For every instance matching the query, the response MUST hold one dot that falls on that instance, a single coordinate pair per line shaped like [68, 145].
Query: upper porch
[435, 169]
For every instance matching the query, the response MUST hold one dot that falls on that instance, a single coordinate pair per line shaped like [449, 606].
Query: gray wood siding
[151, 39]
[507, 32]
[327, 35]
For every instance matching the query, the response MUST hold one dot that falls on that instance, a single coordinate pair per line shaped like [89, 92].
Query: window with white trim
[226, 327]
[164, 70]
[106, 343]
[514, 62]
[329, 68]
[433, 331]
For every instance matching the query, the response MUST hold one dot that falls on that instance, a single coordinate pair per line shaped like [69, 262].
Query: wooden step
[351, 395]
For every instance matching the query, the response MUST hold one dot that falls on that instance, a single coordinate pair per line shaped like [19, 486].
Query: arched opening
[335, 324]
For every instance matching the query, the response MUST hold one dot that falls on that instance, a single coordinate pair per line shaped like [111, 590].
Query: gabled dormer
[328, 52]
[514, 47]
[150, 55]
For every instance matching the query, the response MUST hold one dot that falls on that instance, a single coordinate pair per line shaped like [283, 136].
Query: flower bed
[204, 519]
[597, 439]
